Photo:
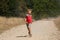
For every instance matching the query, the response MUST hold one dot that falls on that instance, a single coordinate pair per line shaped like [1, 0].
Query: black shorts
[28, 24]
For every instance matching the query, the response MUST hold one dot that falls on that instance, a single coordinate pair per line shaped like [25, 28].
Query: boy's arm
[32, 18]
[25, 17]
[25, 20]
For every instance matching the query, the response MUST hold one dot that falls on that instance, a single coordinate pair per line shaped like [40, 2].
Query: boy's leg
[29, 29]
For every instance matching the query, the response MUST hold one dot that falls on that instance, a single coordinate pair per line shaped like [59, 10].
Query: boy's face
[29, 11]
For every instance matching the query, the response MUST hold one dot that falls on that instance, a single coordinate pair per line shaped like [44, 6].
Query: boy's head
[29, 11]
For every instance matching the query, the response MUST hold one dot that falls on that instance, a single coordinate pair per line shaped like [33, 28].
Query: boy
[28, 20]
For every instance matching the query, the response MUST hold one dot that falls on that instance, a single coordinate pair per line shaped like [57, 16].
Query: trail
[41, 30]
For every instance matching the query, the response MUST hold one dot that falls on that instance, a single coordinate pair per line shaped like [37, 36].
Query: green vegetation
[41, 8]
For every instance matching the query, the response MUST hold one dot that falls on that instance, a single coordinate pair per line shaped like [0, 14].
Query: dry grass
[7, 23]
[57, 22]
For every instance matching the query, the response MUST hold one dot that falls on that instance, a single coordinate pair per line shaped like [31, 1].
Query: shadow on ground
[22, 36]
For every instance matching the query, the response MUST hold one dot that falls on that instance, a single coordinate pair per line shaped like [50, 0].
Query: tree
[41, 8]
[44, 8]
[4, 7]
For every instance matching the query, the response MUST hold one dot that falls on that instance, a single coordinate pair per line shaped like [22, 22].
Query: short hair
[29, 9]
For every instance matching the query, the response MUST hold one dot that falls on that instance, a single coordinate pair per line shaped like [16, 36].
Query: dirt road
[41, 30]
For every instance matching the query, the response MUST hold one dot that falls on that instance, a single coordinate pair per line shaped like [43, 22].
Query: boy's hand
[25, 19]
[33, 20]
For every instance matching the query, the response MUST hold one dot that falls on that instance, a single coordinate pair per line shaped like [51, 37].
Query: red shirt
[29, 18]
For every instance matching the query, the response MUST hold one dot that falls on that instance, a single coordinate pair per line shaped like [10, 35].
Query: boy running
[28, 20]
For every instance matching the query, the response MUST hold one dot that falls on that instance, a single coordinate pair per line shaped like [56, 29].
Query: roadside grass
[7, 23]
[57, 22]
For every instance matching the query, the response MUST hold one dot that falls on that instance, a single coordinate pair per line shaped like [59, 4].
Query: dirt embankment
[7, 23]
[57, 22]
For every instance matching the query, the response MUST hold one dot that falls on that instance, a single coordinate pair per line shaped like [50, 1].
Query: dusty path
[41, 30]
